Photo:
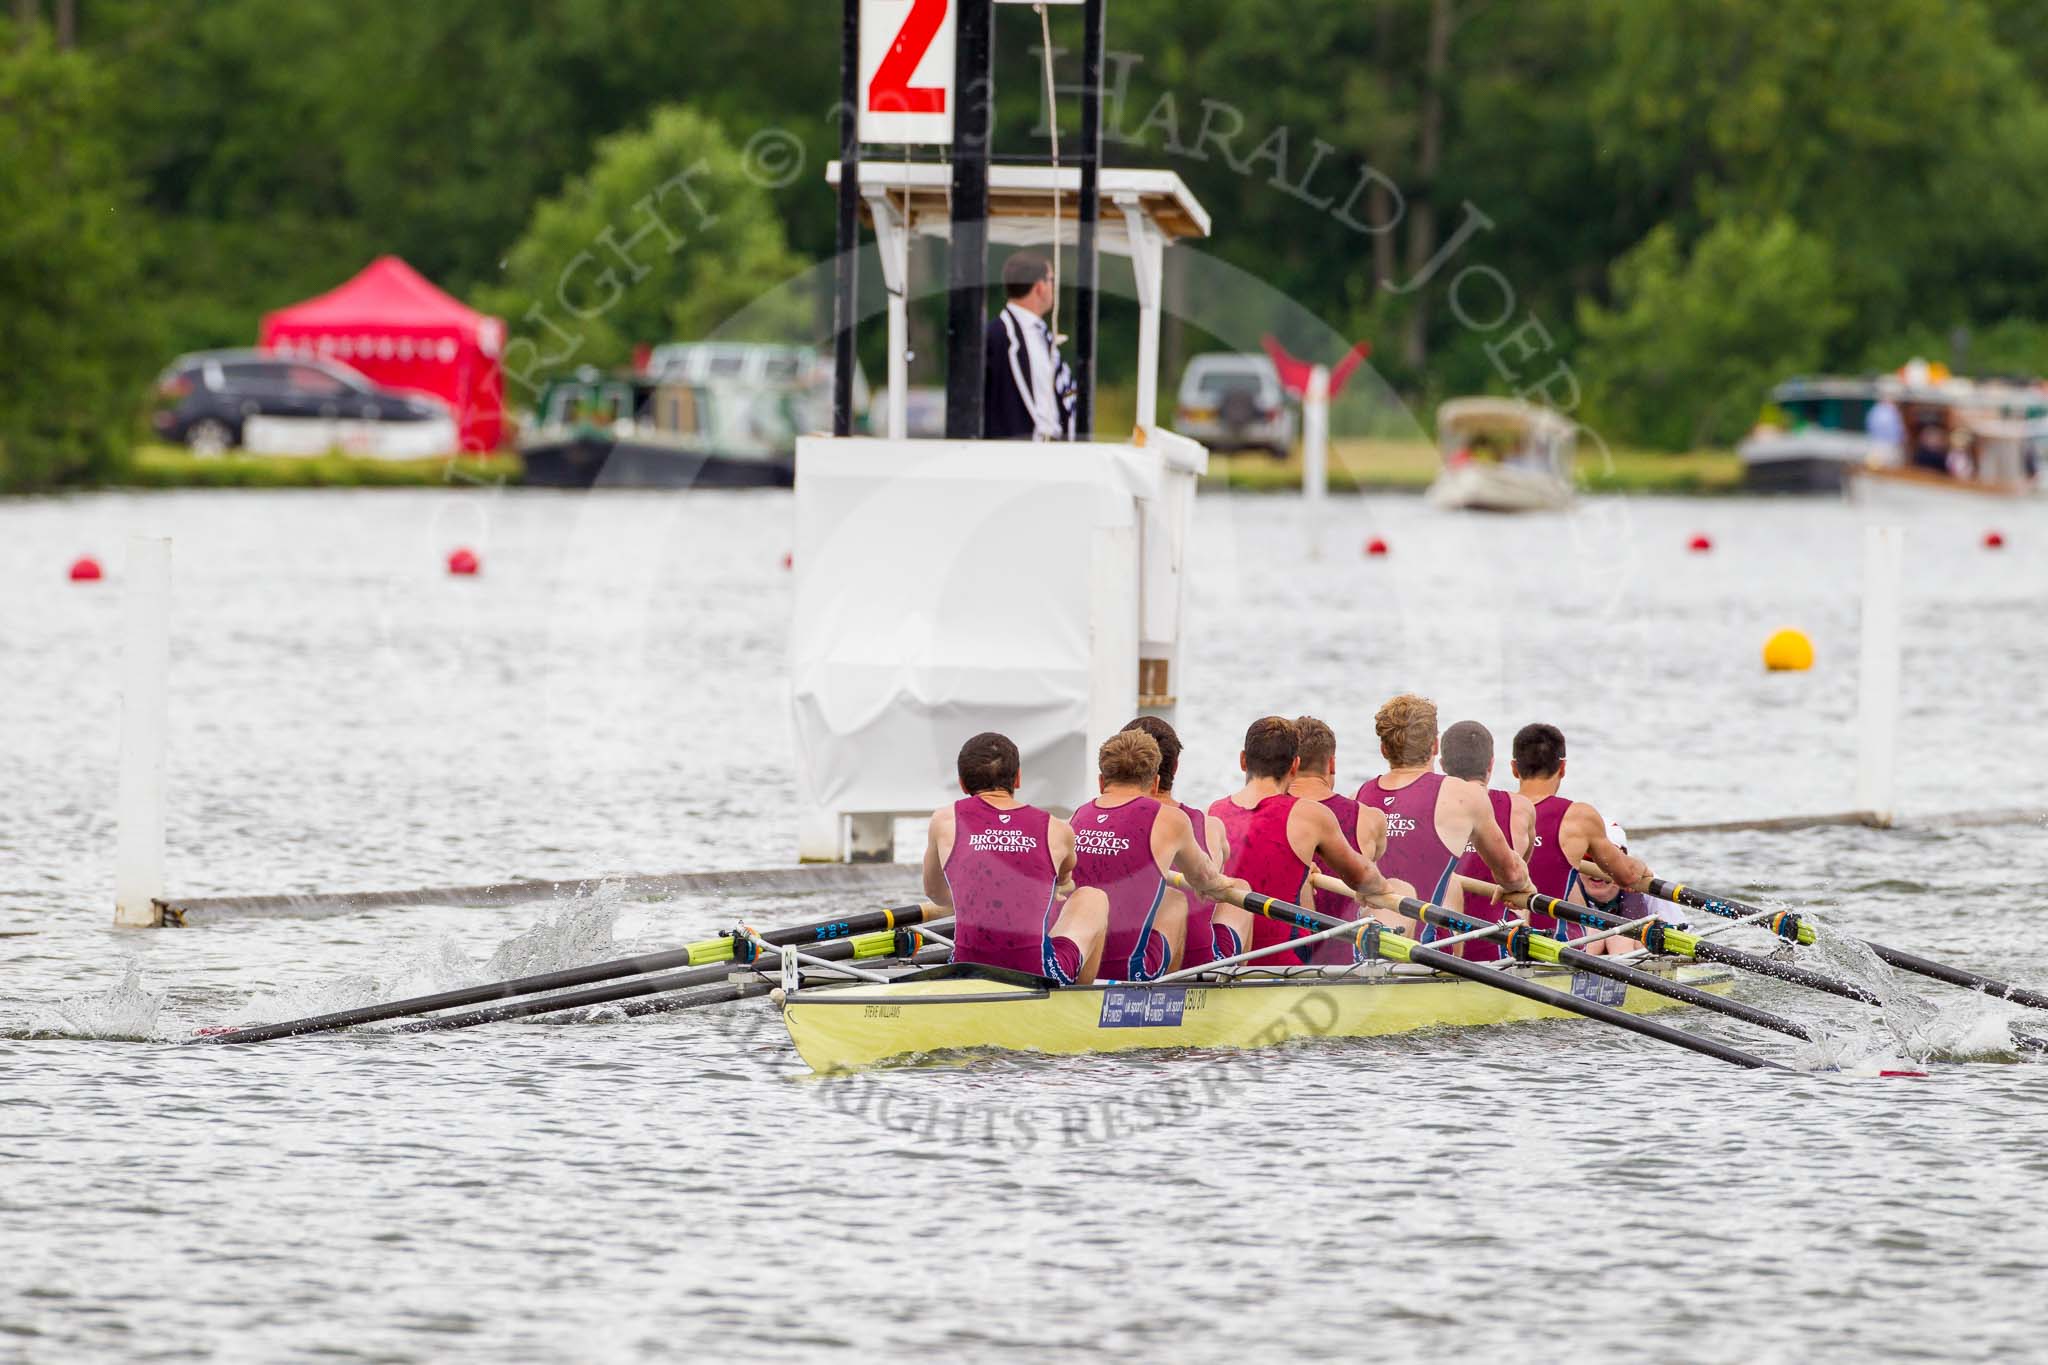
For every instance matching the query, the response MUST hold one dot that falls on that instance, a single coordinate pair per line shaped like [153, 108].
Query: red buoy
[1994, 540]
[788, 560]
[1376, 547]
[1700, 544]
[85, 569]
[464, 562]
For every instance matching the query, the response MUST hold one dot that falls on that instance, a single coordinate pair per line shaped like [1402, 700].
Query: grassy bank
[1371, 465]
[162, 466]
[1356, 465]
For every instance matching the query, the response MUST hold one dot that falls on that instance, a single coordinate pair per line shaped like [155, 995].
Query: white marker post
[1315, 452]
[145, 720]
[1877, 759]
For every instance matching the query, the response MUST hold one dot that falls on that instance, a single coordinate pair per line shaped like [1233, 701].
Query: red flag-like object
[1294, 373]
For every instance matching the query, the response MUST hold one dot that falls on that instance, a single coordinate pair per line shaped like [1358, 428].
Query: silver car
[1235, 402]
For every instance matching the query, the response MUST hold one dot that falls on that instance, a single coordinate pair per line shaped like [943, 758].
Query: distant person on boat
[1930, 448]
[1886, 427]
[1365, 830]
[1466, 753]
[1214, 929]
[1567, 834]
[998, 865]
[1029, 390]
[1431, 818]
[1125, 842]
[1275, 837]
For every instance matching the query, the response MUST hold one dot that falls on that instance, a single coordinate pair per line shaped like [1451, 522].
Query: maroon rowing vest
[1002, 877]
[1201, 935]
[1261, 854]
[1340, 950]
[1415, 852]
[1472, 865]
[1113, 852]
[1549, 870]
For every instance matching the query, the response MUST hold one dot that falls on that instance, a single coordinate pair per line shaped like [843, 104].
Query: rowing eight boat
[841, 1028]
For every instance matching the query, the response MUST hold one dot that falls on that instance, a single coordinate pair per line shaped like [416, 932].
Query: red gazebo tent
[396, 327]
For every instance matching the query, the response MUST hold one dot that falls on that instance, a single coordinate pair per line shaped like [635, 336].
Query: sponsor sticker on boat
[1599, 989]
[1143, 1006]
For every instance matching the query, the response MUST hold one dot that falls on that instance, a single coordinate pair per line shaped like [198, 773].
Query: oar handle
[1386, 900]
[1475, 887]
[1589, 868]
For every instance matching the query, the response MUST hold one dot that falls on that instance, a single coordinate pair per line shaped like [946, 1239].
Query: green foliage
[72, 343]
[274, 147]
[668, 237]
[1693, 340]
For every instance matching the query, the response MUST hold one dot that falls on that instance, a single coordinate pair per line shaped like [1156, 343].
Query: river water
[605, 698]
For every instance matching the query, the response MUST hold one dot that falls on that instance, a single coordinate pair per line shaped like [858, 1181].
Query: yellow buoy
[1789, 651]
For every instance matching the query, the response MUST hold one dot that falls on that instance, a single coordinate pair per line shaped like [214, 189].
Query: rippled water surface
[606, 698]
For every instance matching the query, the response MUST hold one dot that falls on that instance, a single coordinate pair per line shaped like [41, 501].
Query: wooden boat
[842, 1028]
[1503, 455]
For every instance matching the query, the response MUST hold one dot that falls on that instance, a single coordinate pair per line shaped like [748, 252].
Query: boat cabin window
[1829, 414]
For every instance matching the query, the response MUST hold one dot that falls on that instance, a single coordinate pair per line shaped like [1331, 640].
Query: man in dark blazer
[1028, 394]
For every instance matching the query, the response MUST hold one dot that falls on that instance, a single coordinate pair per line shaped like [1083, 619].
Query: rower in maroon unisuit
[1275, 837]
[1467, 756]
[1567, 834]
[1364, 828]
[1430, 819]
[997, 864]
[1125, 842]
[1214, 929]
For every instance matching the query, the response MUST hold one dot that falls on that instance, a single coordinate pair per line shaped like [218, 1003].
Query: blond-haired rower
[1430, 818]
[1125, 842]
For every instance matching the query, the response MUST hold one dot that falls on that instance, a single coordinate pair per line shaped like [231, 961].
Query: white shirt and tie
[1042, 377]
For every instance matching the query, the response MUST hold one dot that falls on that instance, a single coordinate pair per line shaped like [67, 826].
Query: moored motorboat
[596, 430]
[840, 1028]
[1503, 455]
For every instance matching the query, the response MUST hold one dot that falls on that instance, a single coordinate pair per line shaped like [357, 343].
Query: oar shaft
[743, 990]
[703, 952]
[1703, 950]
[866, 946]
[1398, 947]
[1896, 957]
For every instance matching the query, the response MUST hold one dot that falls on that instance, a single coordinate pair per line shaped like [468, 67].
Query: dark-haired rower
[1567, 833]
[1467, 754]
[1213, 929]
[1275, 837]
[998, 865]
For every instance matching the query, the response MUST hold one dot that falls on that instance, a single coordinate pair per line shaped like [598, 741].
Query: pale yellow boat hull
[850, 1027]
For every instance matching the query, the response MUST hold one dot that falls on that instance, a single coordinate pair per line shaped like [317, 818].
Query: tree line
[1682, 200]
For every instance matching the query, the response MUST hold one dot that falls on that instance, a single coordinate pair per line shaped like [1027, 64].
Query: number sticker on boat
[1599, 989]
[1143, 1006]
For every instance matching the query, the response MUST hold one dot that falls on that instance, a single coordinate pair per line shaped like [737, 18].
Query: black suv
[203, 398]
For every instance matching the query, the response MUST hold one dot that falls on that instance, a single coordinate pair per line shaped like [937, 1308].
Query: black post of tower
[1088, 256]
[967, 268]
[846, 265]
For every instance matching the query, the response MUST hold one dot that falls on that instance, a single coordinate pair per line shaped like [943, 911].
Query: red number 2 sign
[906, 49]
[891, 92]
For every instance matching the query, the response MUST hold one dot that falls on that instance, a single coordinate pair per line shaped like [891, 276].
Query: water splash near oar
[126, 1012]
